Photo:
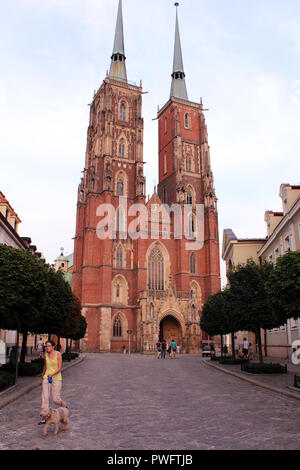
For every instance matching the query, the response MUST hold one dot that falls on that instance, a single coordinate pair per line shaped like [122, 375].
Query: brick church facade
[139, 289]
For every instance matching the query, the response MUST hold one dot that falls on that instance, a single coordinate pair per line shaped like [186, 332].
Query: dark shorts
[245, 351]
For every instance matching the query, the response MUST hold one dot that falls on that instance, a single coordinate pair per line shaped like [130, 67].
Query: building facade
[139, 286]
[9, 235]
[283, 235]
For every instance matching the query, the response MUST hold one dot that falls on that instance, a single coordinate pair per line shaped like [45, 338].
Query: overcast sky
[242, 57]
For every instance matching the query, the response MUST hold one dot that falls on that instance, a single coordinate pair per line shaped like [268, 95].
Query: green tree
[23, 283]
[283, 286]
[250, 301]
[218, 318]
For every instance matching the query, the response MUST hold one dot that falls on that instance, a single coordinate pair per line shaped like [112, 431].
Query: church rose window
[156, 270]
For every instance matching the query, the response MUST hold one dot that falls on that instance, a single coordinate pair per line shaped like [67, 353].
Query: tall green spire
[178, 86]
[118, 66]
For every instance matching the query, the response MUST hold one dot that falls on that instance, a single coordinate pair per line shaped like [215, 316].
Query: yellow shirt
[52, 366]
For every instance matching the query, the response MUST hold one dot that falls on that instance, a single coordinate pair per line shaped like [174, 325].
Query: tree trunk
[17, 356]
[24, 347]
[258, 336]
[266, 346]
[233, 345]
[222, 347]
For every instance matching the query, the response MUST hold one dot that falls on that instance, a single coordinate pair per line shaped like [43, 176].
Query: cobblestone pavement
[138, 402]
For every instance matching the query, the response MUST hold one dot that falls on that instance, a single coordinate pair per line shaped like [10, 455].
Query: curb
[253, 382]
[37, 383]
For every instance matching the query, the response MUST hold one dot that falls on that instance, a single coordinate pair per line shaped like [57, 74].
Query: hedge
[69, 356]
[263, 368]
[231, 361]
[6, 379]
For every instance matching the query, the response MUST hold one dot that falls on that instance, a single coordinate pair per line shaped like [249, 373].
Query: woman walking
[52, 378]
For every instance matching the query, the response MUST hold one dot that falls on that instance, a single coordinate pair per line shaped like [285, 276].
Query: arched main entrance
[170, 329]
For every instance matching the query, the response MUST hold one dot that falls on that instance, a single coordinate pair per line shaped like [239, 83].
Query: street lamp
[129, 332]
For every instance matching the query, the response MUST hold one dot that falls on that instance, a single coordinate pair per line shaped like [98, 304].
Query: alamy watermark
[296, 352]
[135, 222]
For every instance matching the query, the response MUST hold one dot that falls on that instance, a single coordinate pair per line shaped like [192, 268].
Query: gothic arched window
[122, 148]
[193, 263]
[120, 222]
[186, 121]
[188, 164]
[117, 327]
[123, 111]
[191, 226]
[156, 270]
[189, 198]
[117, 291]
[120, 187]
[119, 257]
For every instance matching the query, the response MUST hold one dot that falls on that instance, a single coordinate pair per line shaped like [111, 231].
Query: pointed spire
[118, 67]
[178, 87]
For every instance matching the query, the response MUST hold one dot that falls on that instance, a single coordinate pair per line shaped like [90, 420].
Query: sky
[242, 58]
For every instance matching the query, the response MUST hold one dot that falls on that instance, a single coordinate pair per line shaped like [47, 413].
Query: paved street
[139, 402]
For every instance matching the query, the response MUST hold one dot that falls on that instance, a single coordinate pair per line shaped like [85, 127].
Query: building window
[120, 223]
[122, 148]
[191, 226]
[166, 125]
[188, 164]
[165, 164]
[123, 111]
[119, 257]
[186, 121]
[120, 187]
[287, 243]
[117, 327]
[189, 198]
[193, 263]
[165, 196]
[156, 270]
[118, 291]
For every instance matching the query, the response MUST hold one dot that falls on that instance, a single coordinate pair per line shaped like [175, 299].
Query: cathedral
[137, 287]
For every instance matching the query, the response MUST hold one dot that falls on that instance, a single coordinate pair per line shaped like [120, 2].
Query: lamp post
[129, 332]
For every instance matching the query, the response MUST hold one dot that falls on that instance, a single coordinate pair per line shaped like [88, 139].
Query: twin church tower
[137, 290]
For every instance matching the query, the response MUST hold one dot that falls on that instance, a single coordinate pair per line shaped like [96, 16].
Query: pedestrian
[169, 349]
[245, 347]
[173, 349]
[40, 347]
[163, 349]
[251, 352]
[52, 379]
[178, 349]
[236, 346]
[158, 349]
[124, 349]
[225, 350]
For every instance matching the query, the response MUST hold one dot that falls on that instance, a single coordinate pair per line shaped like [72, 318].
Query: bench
[297, 381]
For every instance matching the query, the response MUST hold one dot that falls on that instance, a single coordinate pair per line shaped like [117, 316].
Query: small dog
[61, 415]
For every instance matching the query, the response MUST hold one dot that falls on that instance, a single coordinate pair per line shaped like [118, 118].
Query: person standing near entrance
[163, 349]
[245, 347]
[158, 349]
[173, 349]
[40, 347]
[52, 378]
